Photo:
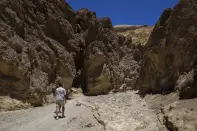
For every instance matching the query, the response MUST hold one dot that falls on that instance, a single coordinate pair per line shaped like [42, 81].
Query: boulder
[186, 85]
[181, 115]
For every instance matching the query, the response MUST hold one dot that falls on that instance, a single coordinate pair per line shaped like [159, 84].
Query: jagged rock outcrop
[96, 33]
[105, 55]
[34, 47]
[43, 42]
[133, 38]
[170, 57]
[139, 33]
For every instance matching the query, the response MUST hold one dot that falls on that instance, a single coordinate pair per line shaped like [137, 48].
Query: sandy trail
[114, 112]
[42, 119]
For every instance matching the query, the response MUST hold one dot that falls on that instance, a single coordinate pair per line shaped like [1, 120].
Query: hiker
[53, 91]
[60, 94]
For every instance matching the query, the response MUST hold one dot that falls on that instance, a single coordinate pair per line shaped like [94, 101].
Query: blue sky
[133, 12]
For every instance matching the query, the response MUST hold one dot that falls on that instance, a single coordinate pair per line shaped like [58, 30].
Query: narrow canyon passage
[46, 43]
[113, 112]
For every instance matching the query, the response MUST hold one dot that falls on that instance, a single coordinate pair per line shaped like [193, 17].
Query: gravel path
[78, 118]
[113, 112]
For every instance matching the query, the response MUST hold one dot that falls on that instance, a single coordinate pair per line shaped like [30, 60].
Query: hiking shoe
[56, 117]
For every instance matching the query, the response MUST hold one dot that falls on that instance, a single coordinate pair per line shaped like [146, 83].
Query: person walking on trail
[60, 94]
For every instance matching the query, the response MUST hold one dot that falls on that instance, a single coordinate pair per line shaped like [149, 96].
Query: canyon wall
[170, 57]
[45, 42]
[34, 47]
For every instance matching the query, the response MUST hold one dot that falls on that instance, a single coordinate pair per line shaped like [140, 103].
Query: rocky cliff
[169, 65]
[35, 48]
[45, 42]
[139, 33]
[170, 58]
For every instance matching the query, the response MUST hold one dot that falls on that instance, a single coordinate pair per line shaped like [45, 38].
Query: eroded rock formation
[170, 57]
[34, 47]
[139, 33]
[43, 42]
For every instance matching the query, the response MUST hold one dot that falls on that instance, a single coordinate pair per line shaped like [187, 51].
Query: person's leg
[63, 108]
[57, 109]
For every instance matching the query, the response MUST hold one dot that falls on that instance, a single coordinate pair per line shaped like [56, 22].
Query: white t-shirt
[60, 93]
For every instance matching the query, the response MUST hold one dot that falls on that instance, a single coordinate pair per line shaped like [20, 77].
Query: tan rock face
[138, 34]
[34, 47]
[97, 73]
[103, 54]
[42, 42]
[171, 52]
[133, 39]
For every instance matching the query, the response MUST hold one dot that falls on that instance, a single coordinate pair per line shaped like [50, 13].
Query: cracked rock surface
[125, 112]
